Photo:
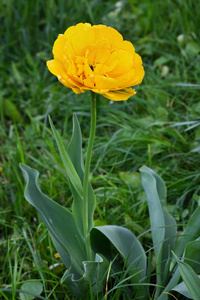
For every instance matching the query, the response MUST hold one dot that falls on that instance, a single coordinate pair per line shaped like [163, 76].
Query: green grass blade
[37, 264]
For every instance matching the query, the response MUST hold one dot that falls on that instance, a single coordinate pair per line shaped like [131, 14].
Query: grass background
[159, 127]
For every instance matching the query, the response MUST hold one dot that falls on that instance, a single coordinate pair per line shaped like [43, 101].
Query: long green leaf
[155, 208]
[160, 185]
[170, 223]
[163, 225]
[71, 172]
[58, 220]
[75, 148]
[75, 153]
[103, 237]
[191, 232]
[190, 278]
[168, 245]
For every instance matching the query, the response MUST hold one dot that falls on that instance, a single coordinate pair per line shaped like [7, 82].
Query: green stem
[86, 175]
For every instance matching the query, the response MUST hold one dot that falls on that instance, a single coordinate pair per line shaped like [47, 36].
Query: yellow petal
[103, 82]
[59, 47]
[87, 71]
[101, 69]
[126, 45]
[80, 37]
[102, 51]
[113, 36]
[56, 68]
[102, 92]
[120, 95]
[137, 61]
[72, 69]
[74, 29]
[132, 78]
[125, 62]
[88, 83]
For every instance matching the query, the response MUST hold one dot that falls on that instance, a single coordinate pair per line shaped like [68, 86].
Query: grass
[153, 128]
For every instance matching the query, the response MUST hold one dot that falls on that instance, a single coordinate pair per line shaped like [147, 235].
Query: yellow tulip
[96, 58]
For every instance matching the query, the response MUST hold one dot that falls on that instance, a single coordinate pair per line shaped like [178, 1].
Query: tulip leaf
[103, 238]
[191, 232]
[181, 288]
[163, 225]
[71, 172]
[33, 287]
[94, 277]
[75, 148]
[75, 153]
[57, 219]
[155, 188]
[64, 256]
[192, 255]
[168, 245]
[192, 281]
[170, 230]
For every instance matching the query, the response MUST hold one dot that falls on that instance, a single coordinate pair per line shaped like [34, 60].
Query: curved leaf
[125, 242]
[160, 185]
[94, 277]
[57, 219]
[182, 289]
[33, 287]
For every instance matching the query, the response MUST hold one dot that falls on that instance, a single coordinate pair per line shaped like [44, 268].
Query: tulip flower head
[96, 58]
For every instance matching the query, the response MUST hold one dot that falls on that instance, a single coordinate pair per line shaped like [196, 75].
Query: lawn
[159, 127]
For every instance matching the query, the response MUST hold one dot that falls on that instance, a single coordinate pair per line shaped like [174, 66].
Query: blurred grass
[153, 128]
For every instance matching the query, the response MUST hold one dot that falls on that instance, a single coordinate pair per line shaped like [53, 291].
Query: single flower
[96, 58]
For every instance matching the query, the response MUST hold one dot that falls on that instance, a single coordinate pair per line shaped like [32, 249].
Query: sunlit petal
[120, 95]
